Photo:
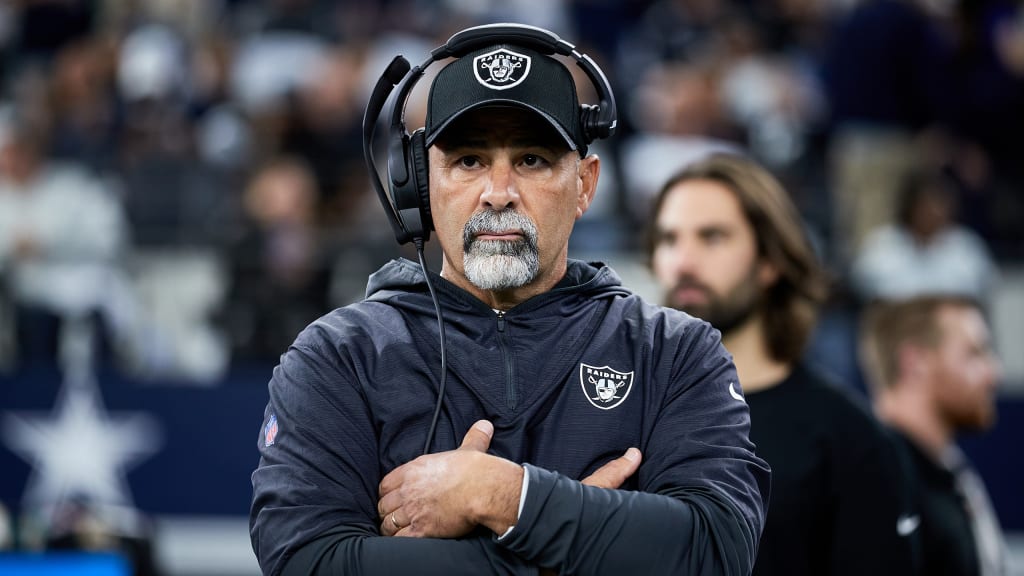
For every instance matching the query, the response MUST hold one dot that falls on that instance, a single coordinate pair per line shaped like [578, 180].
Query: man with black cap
[582, 431]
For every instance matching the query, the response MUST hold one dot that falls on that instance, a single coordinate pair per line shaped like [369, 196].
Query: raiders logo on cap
[501, 69]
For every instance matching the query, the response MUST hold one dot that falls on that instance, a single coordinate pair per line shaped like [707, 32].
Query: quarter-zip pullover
[570, 378]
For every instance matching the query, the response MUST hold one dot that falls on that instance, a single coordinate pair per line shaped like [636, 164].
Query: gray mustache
[495, 221]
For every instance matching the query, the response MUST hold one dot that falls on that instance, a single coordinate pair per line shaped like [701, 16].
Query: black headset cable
[440, 329]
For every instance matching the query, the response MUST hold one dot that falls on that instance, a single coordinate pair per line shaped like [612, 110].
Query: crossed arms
[446, 495]
[319, 507]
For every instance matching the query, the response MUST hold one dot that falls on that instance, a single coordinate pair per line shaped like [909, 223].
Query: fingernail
[633, 455]
[485, 426]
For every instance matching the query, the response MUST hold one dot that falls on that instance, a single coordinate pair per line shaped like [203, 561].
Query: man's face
[965, 371]
[18, 161]
[705, 254]
[505, 192]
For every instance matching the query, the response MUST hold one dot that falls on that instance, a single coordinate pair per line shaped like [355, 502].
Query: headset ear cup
[420, 171]
[590, 120]
[586, 121]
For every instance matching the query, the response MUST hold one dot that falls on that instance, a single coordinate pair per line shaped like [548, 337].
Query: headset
[407, 199]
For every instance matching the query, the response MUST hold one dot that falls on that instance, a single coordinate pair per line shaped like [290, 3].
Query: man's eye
[714, 236]
[469, 161]
[533, 160]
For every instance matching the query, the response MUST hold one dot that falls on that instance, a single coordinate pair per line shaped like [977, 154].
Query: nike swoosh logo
[906, 524]
[734, 393]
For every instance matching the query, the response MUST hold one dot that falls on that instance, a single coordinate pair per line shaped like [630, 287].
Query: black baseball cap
[506, 75]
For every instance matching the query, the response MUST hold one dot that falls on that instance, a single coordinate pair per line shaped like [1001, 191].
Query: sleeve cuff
[522, 501]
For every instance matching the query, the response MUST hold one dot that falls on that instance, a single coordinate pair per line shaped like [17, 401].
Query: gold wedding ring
[394, 522]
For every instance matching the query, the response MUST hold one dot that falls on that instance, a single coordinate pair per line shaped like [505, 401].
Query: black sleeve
[314, 504]
[353, 553]
[703, 493]
[873, 507]
[578, 529]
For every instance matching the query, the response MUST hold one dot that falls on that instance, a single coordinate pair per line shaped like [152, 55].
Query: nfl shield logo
[604, 387]
[501, 69]
[270, 431]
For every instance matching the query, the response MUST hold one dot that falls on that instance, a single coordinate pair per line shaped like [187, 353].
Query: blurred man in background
[728, 246]
[933, 375]
[279, 269]
[925, 249]
[62, 231]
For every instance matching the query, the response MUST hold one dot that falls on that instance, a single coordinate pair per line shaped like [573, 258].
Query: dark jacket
[570, 378]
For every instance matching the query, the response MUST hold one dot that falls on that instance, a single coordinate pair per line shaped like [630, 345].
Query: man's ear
[767, 274]
[589, 171]
[913, 362]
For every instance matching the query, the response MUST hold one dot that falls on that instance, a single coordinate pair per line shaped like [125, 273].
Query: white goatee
[500, 264]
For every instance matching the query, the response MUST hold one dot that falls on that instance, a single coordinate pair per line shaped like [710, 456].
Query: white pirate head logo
[501, 69]
[604, 387]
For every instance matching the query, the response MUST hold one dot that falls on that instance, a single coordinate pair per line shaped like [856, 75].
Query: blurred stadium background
[182, 190]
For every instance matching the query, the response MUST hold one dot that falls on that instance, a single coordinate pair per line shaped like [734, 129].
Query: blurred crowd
[182, 184]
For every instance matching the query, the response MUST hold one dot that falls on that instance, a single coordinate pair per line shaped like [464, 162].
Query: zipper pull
[501, 321]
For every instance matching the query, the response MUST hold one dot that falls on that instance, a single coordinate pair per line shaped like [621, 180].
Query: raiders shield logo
[501, 69]
[604, 387]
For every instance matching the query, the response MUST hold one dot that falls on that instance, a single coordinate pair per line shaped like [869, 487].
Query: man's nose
[501, 191]
[995, 368]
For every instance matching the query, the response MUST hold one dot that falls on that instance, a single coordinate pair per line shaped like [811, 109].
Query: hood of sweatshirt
[402, 277]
